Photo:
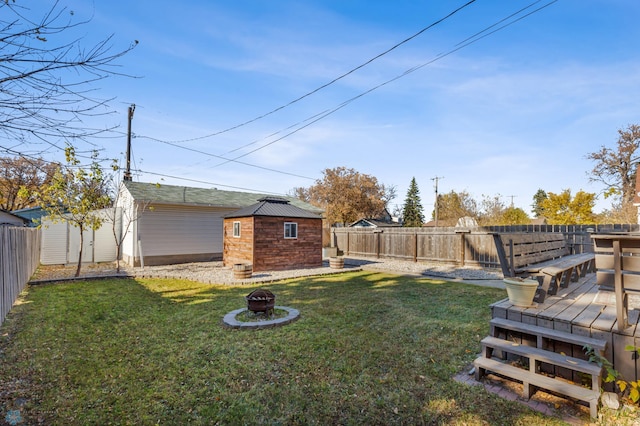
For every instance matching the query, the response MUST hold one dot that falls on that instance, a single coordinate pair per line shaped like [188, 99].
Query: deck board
[585, 310]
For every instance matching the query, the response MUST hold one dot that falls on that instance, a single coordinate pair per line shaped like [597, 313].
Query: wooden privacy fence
[19, 258]
[461, 246]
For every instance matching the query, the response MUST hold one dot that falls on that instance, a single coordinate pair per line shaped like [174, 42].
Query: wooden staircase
[524, 353]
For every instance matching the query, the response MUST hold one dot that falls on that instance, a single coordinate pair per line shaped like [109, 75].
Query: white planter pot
[521, 291]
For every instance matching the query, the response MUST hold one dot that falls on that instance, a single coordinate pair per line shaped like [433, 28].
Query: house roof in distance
[273, 207]
[171, 194]
[374, 223]
[8, 218]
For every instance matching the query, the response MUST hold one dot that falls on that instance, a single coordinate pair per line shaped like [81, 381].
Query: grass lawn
[369, 349]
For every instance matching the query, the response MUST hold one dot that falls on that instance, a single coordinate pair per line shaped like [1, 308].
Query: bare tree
[125, 216]
[616, 168]
[48, 83]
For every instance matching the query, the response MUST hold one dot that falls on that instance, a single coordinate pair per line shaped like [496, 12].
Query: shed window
[290, 230]
[236, 229]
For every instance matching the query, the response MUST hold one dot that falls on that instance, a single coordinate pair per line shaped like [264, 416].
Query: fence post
[463, 244]
[347, 245]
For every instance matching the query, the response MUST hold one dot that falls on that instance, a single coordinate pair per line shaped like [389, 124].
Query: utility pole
[512, 197]
[436, 185]
[127, 172]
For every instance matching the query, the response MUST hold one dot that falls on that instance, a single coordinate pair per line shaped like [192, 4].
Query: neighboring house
[165, 224]
[33, 215]
[374, 223]
[7, 218]
[272, 235]
[385, 220]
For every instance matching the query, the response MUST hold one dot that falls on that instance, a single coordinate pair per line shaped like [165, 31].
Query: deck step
[549, 333]
[529, 379]
[540, 355]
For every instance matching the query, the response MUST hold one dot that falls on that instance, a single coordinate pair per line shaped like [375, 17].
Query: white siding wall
[104, 242]
[177, 230]
[74, 245]
[61, 241]
[53, 250]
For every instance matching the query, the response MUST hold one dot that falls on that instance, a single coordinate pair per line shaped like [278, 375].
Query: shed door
[74, 245]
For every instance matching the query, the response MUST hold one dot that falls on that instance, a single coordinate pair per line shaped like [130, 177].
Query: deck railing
[618, 270]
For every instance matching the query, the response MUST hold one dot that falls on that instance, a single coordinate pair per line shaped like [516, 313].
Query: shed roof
[171, 194]
[274, 207]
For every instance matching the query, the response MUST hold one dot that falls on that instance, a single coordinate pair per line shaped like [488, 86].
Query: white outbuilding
[167, 224]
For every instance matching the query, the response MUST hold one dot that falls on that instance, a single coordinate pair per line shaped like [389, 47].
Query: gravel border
[216, 273]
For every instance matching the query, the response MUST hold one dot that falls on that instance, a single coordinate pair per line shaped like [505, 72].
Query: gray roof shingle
[171, 194]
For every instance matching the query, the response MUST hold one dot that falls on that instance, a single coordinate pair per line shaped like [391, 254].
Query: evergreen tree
[412, 213]
[538, 199]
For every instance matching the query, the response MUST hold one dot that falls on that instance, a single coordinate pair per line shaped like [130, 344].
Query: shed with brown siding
[273, 235]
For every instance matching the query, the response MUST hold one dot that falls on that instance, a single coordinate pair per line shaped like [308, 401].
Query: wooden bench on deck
[618, 269]
[544, 255]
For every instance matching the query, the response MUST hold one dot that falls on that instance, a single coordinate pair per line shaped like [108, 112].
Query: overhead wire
[207, 182]
[340, 77]
[468, 41]
[319, 116]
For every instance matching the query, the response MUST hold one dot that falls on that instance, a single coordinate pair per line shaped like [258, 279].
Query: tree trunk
[80, 256]
[118, 249]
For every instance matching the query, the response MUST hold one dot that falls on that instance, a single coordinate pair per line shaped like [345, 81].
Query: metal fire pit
[261, 301]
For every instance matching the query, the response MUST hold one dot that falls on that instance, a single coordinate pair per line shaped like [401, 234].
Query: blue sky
[511, 113]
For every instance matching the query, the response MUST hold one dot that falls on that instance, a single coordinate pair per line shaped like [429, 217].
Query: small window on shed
[236, 229]
[290, 230]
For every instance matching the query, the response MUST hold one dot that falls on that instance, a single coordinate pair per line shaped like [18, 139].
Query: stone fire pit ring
[230, 320]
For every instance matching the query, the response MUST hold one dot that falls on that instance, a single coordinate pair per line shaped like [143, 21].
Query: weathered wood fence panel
[19, 258]
[462, 246]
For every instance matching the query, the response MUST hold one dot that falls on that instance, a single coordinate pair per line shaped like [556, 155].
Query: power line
[317, 117]
[306, 95]
[208, 183]
[234, 160]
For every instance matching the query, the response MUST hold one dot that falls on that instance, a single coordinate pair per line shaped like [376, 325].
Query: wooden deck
[583, 309]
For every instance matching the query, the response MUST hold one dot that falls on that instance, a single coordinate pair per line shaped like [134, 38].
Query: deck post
[621, 299]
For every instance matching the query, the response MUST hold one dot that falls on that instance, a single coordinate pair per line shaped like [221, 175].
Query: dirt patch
[57, 272]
